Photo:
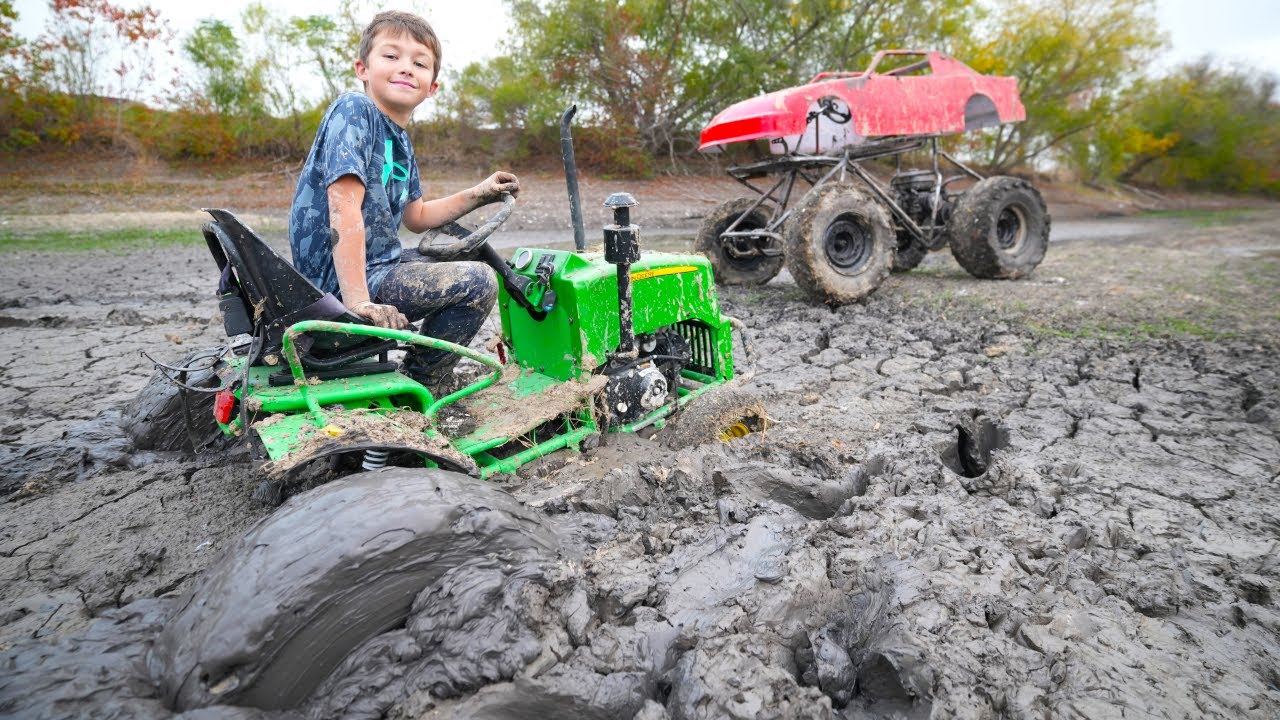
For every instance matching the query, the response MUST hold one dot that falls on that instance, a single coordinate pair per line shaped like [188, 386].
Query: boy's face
[399, 74]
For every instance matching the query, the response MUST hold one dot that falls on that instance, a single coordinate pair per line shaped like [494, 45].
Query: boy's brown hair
[401, 23]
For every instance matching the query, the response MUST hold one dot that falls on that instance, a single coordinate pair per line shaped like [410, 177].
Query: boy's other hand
[492, 188]
[384, 316]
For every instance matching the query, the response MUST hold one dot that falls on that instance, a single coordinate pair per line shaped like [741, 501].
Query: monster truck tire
[731, 270]
[708, 418]
[332, 568]
[999, 228]
[839, 243]
[154, 419]
[909, 253]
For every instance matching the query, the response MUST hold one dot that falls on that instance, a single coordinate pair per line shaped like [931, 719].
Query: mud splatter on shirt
[355, 138]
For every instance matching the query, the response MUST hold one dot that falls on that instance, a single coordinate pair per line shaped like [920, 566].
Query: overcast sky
[1245, 30]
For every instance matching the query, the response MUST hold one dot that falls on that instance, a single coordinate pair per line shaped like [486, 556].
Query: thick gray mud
[954, 514]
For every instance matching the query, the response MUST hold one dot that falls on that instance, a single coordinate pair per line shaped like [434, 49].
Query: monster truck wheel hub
[1011, 228]
[847, 244]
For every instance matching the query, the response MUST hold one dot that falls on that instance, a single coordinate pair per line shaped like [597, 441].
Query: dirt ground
[1053, 497]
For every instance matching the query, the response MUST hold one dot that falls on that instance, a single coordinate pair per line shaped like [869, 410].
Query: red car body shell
[952, 98]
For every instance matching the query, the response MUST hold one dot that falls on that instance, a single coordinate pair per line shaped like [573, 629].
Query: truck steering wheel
[466, 243]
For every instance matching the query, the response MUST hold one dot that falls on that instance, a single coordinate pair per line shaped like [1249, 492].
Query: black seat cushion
[277, 295]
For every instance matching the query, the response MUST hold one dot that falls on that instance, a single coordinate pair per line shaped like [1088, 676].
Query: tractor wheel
[1000, 228]
[721, 414]
[730, 269]
[909, 253]
[155, 419]
[839, 244]
[332, 568]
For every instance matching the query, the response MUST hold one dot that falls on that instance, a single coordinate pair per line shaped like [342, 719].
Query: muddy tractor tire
[333, 567]
[730, 269]
[1000, 228]
[722, 413]
[155, 419]
[840, 244]
[909, 253]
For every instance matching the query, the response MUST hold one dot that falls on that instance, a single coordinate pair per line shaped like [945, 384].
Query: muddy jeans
[452, 299]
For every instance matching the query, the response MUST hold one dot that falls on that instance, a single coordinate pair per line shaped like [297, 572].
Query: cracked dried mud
[1053, 497]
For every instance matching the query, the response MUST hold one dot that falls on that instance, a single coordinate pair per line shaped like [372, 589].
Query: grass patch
[110, 240]
[1206, 218]
[1169, 327]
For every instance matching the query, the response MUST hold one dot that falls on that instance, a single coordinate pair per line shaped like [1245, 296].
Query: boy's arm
[346, 194]
[423, 215]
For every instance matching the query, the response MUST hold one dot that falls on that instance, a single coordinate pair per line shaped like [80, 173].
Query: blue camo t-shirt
[355, 138]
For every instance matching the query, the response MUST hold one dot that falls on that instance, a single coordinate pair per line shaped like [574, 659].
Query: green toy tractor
[591, 342]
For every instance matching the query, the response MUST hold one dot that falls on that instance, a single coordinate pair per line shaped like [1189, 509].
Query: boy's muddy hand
[492, 188]
[384, 316]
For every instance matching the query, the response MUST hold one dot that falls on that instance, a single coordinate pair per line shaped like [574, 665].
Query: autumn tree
[1074, 61]
[98, 48]
[1218, 129]
[11, 48]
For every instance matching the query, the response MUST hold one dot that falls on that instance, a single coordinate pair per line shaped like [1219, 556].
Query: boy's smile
[399, 75]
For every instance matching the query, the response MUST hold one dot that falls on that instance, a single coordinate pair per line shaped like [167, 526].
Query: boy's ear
[434, 87]
[362, 72]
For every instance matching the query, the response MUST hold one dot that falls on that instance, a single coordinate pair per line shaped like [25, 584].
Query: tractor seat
[276, 296]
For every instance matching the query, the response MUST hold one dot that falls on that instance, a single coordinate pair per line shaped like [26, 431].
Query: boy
[361, 180]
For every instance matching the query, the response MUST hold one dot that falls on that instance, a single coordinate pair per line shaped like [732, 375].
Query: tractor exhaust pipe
[571, 178]
[622, 248]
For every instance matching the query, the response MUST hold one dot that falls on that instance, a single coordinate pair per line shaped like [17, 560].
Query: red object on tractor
[932, 96]
[223, 404]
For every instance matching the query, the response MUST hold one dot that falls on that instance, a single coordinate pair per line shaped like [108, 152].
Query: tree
[330, 49]
[1074, 60]
[1220, 129]
[288, 51]
[657, 70]
[230, 85]
[11, 49]
[93, 48]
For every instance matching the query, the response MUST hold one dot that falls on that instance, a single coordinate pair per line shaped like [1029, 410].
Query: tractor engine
[638, 387]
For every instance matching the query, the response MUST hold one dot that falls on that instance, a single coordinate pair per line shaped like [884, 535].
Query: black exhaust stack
[571, 178]
[622, 248]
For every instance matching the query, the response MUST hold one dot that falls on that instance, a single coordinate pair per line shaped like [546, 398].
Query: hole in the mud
[1238, 617]
[1251, 397]
[878, 681]
[975, 441]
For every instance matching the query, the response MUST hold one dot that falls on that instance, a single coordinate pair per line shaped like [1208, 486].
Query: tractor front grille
[702, 340]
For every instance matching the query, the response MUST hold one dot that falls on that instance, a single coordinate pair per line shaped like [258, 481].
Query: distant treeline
[647, 75]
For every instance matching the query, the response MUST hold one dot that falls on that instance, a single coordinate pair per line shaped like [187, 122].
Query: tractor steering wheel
[467, 243]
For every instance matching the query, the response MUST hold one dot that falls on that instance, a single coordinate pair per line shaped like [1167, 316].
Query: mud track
[1047, 498]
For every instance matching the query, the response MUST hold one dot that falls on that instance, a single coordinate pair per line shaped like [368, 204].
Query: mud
[1046, 498]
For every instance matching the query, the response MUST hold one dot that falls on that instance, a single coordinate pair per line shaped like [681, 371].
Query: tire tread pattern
[806, 257]
[973, 229]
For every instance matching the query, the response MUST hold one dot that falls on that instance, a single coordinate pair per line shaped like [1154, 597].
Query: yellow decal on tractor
[674, 270]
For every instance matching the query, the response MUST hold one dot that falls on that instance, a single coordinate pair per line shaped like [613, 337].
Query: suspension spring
[375, 459]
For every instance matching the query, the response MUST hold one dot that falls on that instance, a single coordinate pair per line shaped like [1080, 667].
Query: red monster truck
[840, 242]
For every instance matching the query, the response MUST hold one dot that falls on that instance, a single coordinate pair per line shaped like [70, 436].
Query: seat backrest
[274, 291]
